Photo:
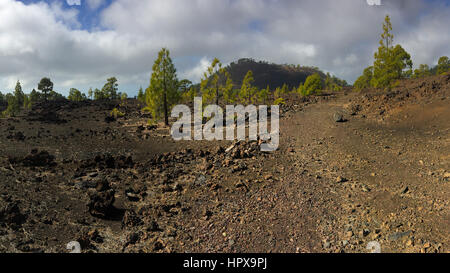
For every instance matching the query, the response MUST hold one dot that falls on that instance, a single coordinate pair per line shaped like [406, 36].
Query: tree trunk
[217, 95]
[166, 114]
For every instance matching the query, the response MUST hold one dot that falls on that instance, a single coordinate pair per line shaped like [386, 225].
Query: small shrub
[116, 113]
[279, 101]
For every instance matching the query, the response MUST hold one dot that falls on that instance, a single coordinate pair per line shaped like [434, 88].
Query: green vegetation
[15, 102]
[333, 83]
[116, 113]
[141, 95]
[162, 93]
[248, 92]
[46, 87]
[423, 71]
[76, 95]
[263, 95]
[19, 95]
[443, 65]
[279, 101]
[391, 63]
[90, 93]
[191, 94]
[110, 88]
[312, 85]
[365, 79]
[108, 92]
[216, 81]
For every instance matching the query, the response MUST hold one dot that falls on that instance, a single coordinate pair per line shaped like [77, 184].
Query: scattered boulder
[200, 180]
[131, 219]
[341, 179]
[101, 200]
[338, 117]
[10, 214]
[87, 238]
[35, 159]
[398, 235]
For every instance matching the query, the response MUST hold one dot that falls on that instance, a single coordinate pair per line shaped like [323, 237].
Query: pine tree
[312, 85]
[248, 91]
[277, 94]
[18, 94]
[76, 95]
[46, 86]
[90, 93]
[263, 95]
[99, 95]
[141, 95]
[390, 62]
[192, 93]
[162, 93]
[184, 85]
[364, 81]
[422, 71]
[34, 96]
[228, 92]
[216, 81]
[443, 65]
[110, 89]
[26, 102]
[13, 105]
[284, 89]
[301, 89]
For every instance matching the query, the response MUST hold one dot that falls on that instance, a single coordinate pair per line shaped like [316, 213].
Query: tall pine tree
[46, 87]
[248, 91]
[390, 61]
[162, 93]
[18, 94]
[216, 81]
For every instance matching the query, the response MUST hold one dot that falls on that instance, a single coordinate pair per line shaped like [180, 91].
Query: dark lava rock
[109, 119]
[109, 162]
[11, 215]
[355, 109]
[46, 115]
[36, 159]
[101, 200]
[136, 192]
[131, 219]
[87, 238]
[19, 136]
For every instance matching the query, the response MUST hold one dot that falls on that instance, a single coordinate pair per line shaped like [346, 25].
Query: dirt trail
[391, 188]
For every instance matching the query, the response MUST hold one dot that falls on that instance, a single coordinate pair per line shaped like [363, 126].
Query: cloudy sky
[80, 43]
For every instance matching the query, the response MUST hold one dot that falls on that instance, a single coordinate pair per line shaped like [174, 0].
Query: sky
[81, 43]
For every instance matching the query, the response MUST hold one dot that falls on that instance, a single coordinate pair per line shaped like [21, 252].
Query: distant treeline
[14, 102]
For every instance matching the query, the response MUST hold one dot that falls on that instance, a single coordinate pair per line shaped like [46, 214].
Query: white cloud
[95, 4]
[44, 39]
[196, 73]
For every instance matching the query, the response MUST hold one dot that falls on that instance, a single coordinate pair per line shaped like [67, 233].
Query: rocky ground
[352, 167]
